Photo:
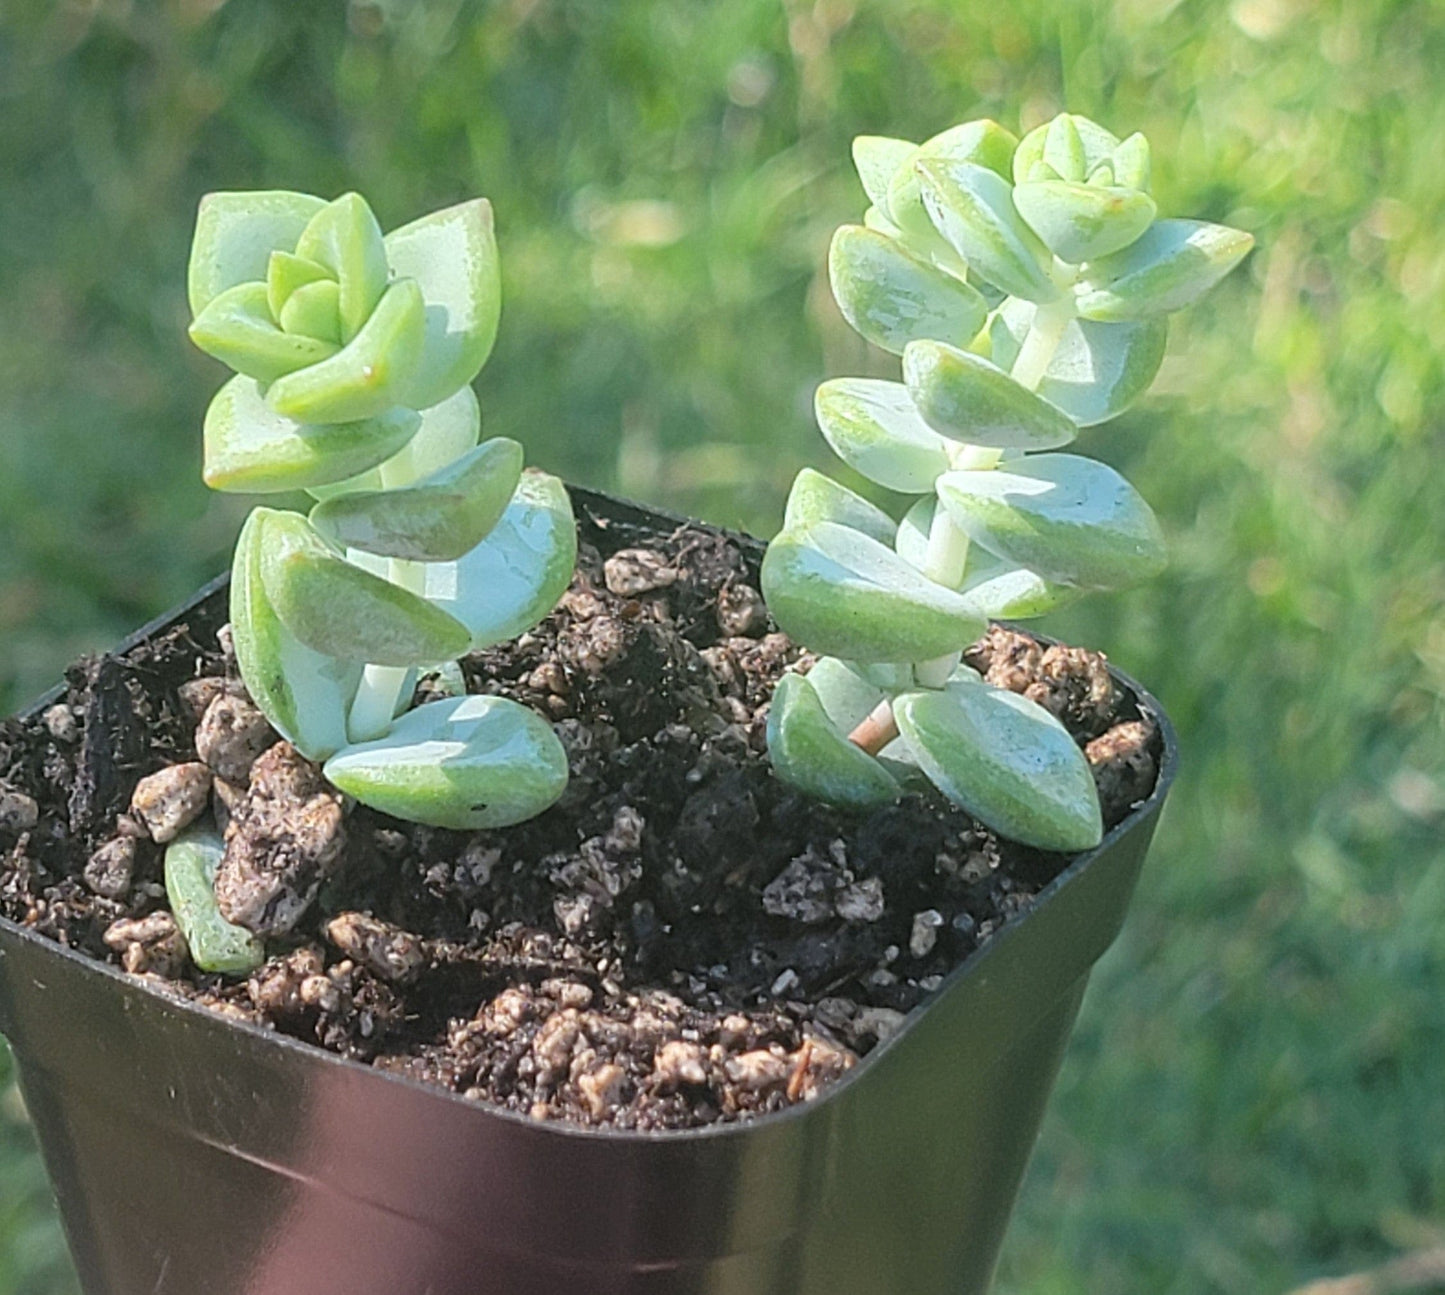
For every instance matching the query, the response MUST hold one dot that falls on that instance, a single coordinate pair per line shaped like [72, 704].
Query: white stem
[374, 706]
[1044, 336]
[936, 673]
[947, 549]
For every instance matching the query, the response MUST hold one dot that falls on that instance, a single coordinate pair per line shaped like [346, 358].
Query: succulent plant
[354, 353]
[1026, 286]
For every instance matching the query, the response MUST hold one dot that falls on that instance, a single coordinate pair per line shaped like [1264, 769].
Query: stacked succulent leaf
[353, 354]
[1026, 286]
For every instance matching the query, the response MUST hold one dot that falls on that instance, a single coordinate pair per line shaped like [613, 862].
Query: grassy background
[1257, 1091]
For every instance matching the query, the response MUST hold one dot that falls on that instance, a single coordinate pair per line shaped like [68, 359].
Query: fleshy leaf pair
[1000, 756]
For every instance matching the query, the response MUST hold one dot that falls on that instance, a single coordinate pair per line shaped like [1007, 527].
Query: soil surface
[682, 940]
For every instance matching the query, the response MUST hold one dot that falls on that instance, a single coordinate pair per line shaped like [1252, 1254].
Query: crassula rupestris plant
[1027, 287]
[354, 353]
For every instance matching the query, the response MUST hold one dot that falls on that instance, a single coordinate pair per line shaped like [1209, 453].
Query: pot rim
[1168, 767]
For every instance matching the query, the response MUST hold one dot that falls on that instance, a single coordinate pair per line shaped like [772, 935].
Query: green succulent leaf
[873, 427]
[847, 695]
[1131, 163]
[1005, 760]
[345, 238]
[1095, 145]
[808, 752]
[879, 223]
[818, 498]
[314, 310]
[236, 328]
[845, 594]
[250, 449]
[515, 576]
[305, 694]
[1097, 371]
[466, 763]
[285, 272]
[436, 519]
[447, 431]
[972, 207]
[967, 398]
[997, 588]
[1003, 590]
[338, 609]
[369, 375]
[235, 236]
[1170, 267]
[1070, 519]
[892, 297]
[878, 160]
[452, 255]
[216, 945]
[1080, 222]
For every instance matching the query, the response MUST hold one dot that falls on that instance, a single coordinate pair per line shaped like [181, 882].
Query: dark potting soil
[682, 940]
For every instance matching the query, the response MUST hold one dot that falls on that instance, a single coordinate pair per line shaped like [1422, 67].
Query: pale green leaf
[453, 255]
[447, 431]
[808, 752]
[338, 609]
[873, 427]
[437, 519]
[1068, 518]
[1096, 145]
[369, 375]
[847, 695]
[313, 310]
[216, 945]
[235, 236]
[967, 398]
[818, 498]
[285, 272]
[1005, 760]
[345, 238]
[236, 328]
[515, 576]
[1097, 371]
[1131, 162]
[1080, 222]
[844, 594]
[972, 207]
[1003, 590]
[305, 694]
[1169, 268]
[892, 297]
[466, 763]
[877, 159]
[249, 448]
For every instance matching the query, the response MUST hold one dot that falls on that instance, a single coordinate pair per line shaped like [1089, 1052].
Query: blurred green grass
[1257, 1090]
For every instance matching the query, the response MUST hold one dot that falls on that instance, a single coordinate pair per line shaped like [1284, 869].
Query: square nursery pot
[192, 1155]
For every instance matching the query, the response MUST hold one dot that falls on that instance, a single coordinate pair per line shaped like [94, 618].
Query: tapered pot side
[194, 1154]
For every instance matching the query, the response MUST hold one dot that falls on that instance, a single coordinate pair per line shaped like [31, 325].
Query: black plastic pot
[195, 1156]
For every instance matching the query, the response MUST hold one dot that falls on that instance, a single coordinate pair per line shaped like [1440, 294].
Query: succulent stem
[877, 731]
[1045, 334]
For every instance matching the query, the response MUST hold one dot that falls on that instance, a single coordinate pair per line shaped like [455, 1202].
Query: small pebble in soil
[170, 800]
[390, 952]
[150, 945]
[61, 723]
[231, 734]
[282, 842]
[19, 812]
[111, 869]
